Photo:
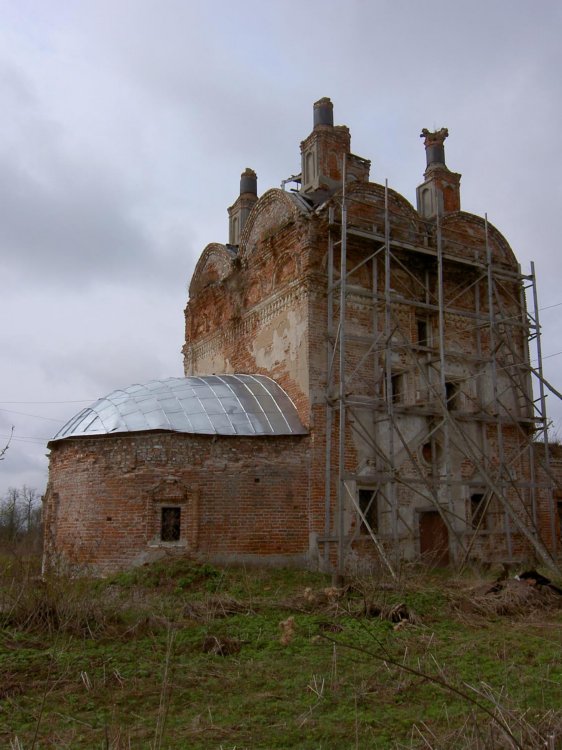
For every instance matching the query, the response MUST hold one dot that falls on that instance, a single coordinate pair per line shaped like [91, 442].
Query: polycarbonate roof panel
[205, 405]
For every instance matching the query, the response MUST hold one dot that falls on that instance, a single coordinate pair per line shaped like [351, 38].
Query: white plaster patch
[284, 342]
[215, 363]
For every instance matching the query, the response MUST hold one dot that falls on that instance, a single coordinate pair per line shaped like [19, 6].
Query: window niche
[431, 453]
[172, 512]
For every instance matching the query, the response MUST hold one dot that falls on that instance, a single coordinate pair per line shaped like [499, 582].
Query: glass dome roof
[205, 405]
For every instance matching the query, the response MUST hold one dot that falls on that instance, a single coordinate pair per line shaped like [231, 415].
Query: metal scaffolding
[422, 428]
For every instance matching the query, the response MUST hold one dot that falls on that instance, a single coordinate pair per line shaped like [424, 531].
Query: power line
[548, 307]
[79, 401]
[34, 416]
[27, 438]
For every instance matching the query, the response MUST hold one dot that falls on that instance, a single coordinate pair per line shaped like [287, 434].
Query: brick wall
[243, 498]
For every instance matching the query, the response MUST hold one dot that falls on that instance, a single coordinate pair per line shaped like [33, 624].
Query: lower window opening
[452, 396]
[368, 506]
[170, 526]
[477, 508]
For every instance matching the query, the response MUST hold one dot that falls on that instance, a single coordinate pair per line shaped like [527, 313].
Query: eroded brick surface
[238, 496]
[263, 307]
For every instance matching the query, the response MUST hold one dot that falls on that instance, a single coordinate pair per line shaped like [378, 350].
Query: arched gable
[273, 210]
[472, 229]
[367, 207]
[370, 191]
[215, 264]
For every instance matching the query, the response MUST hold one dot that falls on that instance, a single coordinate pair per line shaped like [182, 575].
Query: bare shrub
[221, 645]
[510, 598]
[56, 604]
[214, 606]
[526, 732]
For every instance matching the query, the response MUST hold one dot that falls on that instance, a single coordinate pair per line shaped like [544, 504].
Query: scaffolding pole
[542, 400]
[500, 363]
[342, 374]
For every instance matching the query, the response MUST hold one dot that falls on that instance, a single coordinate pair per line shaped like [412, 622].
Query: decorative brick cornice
[259, 315]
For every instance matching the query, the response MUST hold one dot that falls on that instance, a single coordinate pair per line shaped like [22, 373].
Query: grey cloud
[76, 228]
[126, 125]
[74, 218]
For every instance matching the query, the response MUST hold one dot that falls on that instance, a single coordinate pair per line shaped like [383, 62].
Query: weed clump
[58, 604]
[214, 606]
[287, 628]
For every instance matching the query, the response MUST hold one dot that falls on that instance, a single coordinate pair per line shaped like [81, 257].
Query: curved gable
[214, 265]
[472, 229]
[272, 211]
[366, 209]
[372, 190]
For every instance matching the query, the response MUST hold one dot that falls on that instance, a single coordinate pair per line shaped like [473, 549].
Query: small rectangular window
[368, 505]
[397, 387]
[452, 395]
[422, 332]
[477, 508]
[170, 525]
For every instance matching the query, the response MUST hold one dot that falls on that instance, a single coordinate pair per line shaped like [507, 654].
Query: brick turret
[323, 152]
[440, 193]
[240, 209]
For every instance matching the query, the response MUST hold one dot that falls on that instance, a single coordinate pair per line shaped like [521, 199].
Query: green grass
[119, 663]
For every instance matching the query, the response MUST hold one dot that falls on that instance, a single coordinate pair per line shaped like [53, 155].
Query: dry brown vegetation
[182, 654]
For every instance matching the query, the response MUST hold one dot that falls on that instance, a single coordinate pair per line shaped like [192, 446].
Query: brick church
[357, 392]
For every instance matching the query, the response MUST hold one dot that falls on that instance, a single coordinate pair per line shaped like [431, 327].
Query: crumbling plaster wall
[253, 317]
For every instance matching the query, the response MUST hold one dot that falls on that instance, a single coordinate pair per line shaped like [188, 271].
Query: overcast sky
[125, 125]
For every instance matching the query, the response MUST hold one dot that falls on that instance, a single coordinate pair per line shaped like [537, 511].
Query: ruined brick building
[358, 391]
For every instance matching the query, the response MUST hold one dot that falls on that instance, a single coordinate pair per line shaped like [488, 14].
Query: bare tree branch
[5, 448]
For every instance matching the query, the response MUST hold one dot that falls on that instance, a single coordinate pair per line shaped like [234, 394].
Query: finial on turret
[434, 142]
[324, 112]
[248, 182]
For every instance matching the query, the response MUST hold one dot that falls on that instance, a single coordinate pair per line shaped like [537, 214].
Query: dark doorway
[434, 538]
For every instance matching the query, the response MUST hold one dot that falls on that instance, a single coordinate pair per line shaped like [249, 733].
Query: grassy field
[185, 655]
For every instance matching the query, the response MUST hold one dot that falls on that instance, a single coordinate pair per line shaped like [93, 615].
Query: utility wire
[79, 401]
[34, 416]
[27, 438]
